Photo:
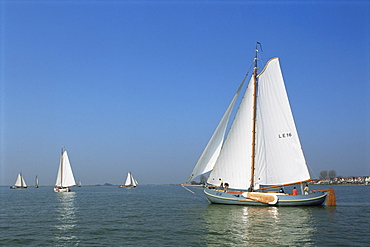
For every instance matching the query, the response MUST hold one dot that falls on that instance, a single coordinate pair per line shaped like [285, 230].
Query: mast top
[256, 55]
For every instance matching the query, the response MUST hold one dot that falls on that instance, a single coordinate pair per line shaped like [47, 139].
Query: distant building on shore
[348, 180]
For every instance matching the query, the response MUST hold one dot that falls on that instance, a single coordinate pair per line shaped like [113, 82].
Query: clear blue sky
[141, 85]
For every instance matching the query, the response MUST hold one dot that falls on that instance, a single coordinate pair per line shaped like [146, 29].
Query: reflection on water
[258, 226]
[66, 218]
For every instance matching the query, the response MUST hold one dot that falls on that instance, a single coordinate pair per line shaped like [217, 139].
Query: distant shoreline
[100, 185]
[148, 185]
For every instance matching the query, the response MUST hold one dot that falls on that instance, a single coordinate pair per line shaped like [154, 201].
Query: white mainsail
[210, 154]
[65, 176]
[130, 180]
[279, 157]
[19, 182]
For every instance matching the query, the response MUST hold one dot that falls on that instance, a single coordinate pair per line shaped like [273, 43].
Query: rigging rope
[194, 193]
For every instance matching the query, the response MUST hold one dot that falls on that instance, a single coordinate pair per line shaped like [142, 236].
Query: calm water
[171, 216]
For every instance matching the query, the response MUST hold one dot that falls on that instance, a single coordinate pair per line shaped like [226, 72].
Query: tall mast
[61, 168]
[255, 90]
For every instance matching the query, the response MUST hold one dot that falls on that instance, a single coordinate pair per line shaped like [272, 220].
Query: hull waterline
[127, 187]
[221, 197]
[17, 187]
[62, 189]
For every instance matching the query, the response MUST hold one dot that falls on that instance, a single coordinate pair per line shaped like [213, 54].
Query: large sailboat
[261, 152]
[131, 182]
[19, 183]
[65, 178]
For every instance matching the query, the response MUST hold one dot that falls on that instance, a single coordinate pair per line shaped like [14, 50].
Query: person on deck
[226, 186]
[221, 183]
[295, 191]
[281, 190]
[306, 190]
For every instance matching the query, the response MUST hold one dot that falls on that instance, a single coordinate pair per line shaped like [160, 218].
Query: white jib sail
[23, 182]
[134, 181]
[65, 176]
[233, 164]
[279, 156]
[210, 154]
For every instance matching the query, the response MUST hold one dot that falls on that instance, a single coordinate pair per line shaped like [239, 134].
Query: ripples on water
[171, 216]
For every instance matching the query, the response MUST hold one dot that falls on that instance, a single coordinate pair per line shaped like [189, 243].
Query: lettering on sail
[285, 135]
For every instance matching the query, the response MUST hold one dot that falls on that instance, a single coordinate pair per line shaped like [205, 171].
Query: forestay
[210, 154]
[233, 164]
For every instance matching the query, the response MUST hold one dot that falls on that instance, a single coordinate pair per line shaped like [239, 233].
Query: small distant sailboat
[36, 182]
[19, 183]
[79, 183]
[65, 178]
[262, 150]
[131, 182]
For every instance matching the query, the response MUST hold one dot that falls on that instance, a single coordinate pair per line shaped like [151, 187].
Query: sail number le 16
[285, 135]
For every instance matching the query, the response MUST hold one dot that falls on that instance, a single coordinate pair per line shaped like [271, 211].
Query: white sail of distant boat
[65, 178]
[262, 149]
[20, 183]
[130, 182]
[36, 182]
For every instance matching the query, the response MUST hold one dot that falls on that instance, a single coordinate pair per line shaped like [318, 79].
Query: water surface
[171, 216]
